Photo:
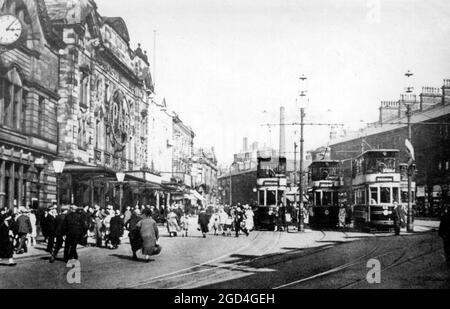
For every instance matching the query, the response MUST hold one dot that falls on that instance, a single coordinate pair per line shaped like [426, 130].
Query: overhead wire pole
[409, 89]
[301, 227]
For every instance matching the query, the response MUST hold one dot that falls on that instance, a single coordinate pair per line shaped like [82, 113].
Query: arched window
[11, 100]
[84, 94]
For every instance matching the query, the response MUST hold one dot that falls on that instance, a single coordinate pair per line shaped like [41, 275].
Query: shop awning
[197, 195]
[108, 174]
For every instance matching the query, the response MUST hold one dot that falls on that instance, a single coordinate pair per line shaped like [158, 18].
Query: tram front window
[271, 197]
[385, 195]
[326, 200]
[395, 195]
[317, 199]
[373, 195]
[261, 197]
[404, 196]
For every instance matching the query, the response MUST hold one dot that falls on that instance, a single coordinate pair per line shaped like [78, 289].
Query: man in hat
[23, 224]
[59, 232]
[75, 228]
[444, 232]
[51, 227]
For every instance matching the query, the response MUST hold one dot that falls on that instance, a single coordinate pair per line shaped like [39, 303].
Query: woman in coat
[172, 223]
[6, 241]
[116, 229]
[203, 221]
[134, 233]
[149, 234]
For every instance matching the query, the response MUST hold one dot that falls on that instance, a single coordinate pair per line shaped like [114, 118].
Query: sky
[226, 66]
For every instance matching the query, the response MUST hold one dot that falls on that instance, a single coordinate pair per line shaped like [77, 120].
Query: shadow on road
[129, 258]
[275, 269]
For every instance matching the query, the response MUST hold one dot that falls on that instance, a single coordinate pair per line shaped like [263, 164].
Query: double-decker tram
[376, 184]
[271, 184]
[323, 188]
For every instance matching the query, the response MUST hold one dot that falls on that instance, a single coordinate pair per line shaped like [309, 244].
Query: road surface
[265, 259]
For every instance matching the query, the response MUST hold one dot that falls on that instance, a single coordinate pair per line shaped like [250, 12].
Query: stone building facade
[28, 108]
[102, 112]
[183, 151]
[160, 137]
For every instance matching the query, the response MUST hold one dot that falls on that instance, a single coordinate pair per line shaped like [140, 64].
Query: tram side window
[385, 195]
[326, 201]
[261, 197]
[363, 196]
[373, 195]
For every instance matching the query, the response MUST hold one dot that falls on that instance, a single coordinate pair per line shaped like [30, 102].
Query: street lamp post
[58, 167]
[295, 171]
[39, 164]
[410, 173]
[120, 178]
[301, 226]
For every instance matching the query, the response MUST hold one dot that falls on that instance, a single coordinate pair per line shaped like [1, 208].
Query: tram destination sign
[384, 178]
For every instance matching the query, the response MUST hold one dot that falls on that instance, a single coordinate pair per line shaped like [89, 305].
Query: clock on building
[11, 30]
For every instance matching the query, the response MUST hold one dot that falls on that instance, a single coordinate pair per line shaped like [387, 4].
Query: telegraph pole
[301, 227]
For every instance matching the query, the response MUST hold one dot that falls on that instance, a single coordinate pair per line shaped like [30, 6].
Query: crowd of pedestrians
[71, 226]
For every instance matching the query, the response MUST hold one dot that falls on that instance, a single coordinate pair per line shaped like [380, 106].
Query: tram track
[241, 265]
[336, 269]
[166, 280]
[189, 270]
[398, 262]
[400, 259]
[229, 268]
[226, 269]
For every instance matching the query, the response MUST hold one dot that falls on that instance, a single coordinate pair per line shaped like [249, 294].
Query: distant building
[182, 151]
[430, 137]
[204, 173]
[160, 139]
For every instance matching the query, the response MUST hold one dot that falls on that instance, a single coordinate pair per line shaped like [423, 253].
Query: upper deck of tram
[324, 173]
[376, 165]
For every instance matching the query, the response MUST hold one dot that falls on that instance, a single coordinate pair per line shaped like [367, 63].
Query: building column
[91, 192]
[12, 179]
[27, 190]
[20, 195]
[2, 184]
[157, 200]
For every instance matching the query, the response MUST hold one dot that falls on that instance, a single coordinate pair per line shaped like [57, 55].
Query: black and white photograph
[235, 146]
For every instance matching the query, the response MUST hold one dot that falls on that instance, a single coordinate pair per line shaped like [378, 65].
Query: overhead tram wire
[369, 124]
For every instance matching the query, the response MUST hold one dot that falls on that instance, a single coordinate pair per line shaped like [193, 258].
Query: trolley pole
[301, 227]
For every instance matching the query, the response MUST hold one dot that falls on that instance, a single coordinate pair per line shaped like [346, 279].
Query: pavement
[265, 259]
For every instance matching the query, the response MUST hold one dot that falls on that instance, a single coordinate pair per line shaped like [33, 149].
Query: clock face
[10, 29]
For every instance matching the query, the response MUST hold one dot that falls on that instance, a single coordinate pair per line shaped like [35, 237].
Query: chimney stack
[245, 145]
[282, 150]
